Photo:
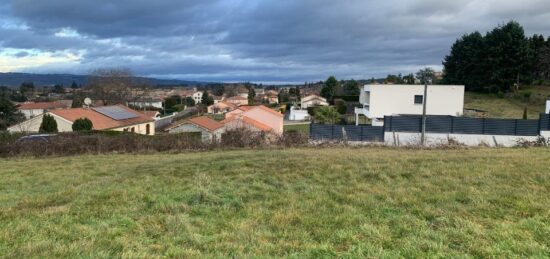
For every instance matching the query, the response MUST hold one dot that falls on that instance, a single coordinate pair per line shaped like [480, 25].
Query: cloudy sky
[247, 40]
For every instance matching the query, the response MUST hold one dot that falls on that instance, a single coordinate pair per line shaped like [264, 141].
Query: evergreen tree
[329, 88]
[49, 125]
[206, 99]
[82, 124]
[74, 85]
[508, 56]
[352, 88]
[251, 95]
[466, 63]
[9, 114]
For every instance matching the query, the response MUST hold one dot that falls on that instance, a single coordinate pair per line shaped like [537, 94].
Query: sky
[269, 41]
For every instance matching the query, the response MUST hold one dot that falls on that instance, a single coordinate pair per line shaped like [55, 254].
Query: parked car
[36, 138]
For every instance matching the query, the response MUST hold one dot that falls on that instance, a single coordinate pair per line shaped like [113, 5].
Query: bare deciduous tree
[111, 86]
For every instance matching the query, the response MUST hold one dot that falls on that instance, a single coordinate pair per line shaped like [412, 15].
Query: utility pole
[424, 100]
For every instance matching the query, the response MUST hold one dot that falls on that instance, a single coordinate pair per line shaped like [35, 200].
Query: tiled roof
[236, 98]
[206, 123]
[100, 121]
[247, 108]
[151, 114]
[249, 121]
[42, 106]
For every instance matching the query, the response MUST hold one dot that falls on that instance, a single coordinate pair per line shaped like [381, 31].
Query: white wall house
[548, 107]
[146, 103]
[298, 114]
[197, 96]
[386, 100]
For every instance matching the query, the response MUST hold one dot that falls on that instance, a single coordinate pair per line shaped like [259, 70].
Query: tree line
[500, 61]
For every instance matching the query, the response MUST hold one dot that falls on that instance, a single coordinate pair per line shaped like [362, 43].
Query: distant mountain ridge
[14, 80]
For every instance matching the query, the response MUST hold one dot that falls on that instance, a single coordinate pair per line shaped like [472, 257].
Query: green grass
[300, 203]
[510, 106]
[304, 128]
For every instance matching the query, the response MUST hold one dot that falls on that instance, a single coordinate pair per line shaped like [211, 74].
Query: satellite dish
[87, 101]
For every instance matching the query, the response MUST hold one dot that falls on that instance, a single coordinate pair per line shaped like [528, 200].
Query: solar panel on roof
[115, 112]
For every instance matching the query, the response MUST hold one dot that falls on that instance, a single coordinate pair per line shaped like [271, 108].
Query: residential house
[261, 114]
[312, 101]
[221, 107]
[209, 129]
[107, 118]
[32, 109]
[146, 103]
[384, 100]
[197, 96]
[237, 100]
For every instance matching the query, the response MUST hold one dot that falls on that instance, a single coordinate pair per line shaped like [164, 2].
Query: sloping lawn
[279, 203]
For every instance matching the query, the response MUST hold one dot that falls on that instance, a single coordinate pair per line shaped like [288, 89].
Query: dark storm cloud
[269, 40]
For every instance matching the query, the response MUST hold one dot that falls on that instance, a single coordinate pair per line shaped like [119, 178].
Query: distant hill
[15, 79]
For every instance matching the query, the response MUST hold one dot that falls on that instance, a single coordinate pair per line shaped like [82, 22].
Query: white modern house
[385, 100]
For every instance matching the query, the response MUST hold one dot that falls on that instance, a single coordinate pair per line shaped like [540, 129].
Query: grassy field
[510, 107]
[304, 128]
[270, 203]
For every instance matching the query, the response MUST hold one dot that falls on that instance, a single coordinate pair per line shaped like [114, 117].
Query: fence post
[391, 123]
[310, 130]
[483, 126]
[332, 132]
[361, 133]
[516, 128]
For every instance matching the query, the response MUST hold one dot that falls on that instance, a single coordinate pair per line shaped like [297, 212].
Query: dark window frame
[418, 99]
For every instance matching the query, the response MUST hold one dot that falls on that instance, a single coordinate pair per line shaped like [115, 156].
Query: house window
[418, 99]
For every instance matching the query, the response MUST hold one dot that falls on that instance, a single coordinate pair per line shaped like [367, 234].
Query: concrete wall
[31, 113]
[434, 139]
[206, 135]
[33, 125]
[386, 100]
[139, 129]
[298, 115]
[267, 118]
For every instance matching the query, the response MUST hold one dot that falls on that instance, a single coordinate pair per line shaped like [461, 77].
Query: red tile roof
[206, 123]
[151, 114]
[42, 106]
[247, 108]
[249, 121]
[100, 121]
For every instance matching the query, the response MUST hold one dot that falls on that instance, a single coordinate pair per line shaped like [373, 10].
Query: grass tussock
[329, 202]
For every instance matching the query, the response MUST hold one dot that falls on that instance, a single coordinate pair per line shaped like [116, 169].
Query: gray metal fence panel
[461, 125]
[352, 132]
[499, 127]
[441, 124]
[467, 125]
[527, 128]
[544, 121]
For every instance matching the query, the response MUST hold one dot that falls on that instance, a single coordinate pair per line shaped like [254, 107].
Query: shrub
[327, 115]
[340, 106]
[525, 113]
[83, 124]
[500, 94]
[49, 125]
[527, 95]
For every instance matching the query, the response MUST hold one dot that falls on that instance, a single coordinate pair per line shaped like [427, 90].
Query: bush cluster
[77, 143]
